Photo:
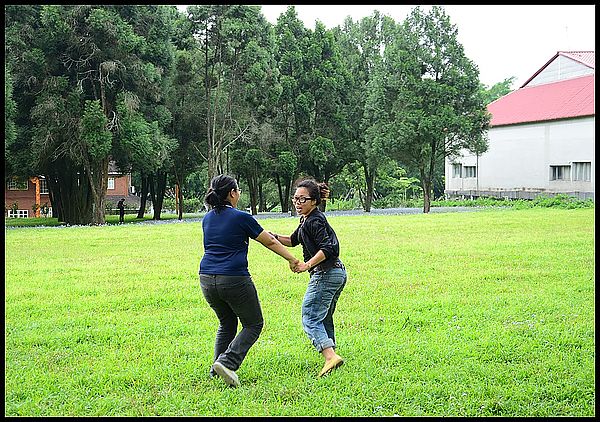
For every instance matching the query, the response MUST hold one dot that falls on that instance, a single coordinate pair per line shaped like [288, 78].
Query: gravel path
[385, 211]
[261, 216]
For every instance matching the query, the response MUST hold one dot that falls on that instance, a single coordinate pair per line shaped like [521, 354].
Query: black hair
[220, 186]
[318, 191]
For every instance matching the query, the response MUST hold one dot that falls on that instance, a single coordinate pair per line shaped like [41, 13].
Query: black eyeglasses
[300, 199]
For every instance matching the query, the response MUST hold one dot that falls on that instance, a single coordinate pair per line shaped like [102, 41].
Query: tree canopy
[167, 95]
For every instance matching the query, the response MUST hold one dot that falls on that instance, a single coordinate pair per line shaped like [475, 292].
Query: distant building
[541, 137]
[34, 190]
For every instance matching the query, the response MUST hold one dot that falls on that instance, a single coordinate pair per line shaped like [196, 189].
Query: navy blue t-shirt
[226, 236]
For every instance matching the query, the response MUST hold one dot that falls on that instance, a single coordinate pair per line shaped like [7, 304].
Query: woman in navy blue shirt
[224, 277]
[321, 250]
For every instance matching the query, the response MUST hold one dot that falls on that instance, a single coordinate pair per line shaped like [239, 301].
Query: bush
[343, 205]
[109, 206]
[540, 201]
[14, 208]
[45, 209]
[190, 205]
[561, 201]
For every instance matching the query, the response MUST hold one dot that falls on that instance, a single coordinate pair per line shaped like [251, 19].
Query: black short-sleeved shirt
[315, 233]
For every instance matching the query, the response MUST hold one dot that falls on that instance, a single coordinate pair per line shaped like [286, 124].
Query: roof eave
[542, 120]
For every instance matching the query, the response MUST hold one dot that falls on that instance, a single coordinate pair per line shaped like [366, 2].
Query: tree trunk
[280, 192]
[98, 180]
[361, 198]
[370, 179]
[152, 190]
[179, 194]
[144, 196]
[426, 191]
[53, 193]
[71, 194]
[426, 198]
[253, 186]
[262, 202]
[157, 192]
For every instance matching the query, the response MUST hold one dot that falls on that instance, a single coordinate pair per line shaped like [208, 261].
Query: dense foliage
[372, 107]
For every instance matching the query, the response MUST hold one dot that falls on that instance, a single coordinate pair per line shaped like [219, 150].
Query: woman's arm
[284, 240]
[271, 242]
[315, 260]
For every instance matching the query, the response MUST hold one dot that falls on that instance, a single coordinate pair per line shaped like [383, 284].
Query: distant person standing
[121, 207]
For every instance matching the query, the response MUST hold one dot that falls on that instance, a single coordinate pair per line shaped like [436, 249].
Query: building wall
[122, 184]
[560, 69]
[519, 158]
[26, 198]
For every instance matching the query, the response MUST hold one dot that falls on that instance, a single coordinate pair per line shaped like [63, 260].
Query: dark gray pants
[233, 297]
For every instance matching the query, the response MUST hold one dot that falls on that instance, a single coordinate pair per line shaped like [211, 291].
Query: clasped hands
[299, 266]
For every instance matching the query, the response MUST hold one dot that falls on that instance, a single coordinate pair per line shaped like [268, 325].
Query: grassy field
[488, 313]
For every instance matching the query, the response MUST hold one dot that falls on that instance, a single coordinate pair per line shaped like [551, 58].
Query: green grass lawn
[459, 314]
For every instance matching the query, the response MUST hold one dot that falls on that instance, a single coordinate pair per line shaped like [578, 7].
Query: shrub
[45, 209]
[541, 201]
[190, 205]
[14, 207]
[343, 205]
[109, 207]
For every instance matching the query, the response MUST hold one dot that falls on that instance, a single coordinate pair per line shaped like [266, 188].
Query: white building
[541, 137]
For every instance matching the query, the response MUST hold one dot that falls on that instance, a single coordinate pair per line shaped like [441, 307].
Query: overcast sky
[502, 40]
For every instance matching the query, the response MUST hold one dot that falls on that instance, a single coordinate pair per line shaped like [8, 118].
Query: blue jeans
[318, 306]
[233, 297]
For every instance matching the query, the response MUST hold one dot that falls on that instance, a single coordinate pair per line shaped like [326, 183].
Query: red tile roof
[559, 100]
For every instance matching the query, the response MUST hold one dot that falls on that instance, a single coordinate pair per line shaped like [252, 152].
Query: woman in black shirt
[328, 276]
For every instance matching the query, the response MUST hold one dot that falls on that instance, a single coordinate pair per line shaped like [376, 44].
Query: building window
[560, 172]
[43, 186]
[20, 214]
[456, 170]
[582, 171]
[16, 184]
[111, 183]
[470, 171]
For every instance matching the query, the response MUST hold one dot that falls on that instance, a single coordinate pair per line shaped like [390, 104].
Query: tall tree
[363, 44]
[439, 108]
[293, 118]
[78, 62]
[188, 125]
[284, 172]
[225, 32]
[10, 111]
[156, 24]
[261, 93]
[26, 68]
[326, 82]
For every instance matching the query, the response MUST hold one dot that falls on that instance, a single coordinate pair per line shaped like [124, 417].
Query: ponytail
[318, 191]
[323, 191]
[217, 193]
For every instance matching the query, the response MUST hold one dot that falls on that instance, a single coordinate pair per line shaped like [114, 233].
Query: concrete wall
[519, 158]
